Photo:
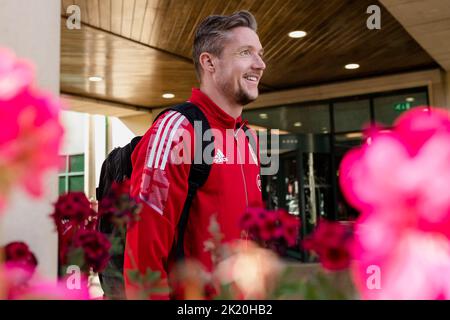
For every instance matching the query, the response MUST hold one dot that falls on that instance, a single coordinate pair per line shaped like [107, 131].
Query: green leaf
[151, 277]
[134, 276]
[226, 292]
[117, 246]
[159, 290]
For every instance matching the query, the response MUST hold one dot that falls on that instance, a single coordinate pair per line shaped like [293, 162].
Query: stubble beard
[240, 97]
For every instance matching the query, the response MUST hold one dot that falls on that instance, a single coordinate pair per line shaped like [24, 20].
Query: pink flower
[31, 134]
[403, 169]
[399, 182]
[19, 281]
[332, 242]
[42, 289]
[15, 75]
[51, 291]
[407, 263]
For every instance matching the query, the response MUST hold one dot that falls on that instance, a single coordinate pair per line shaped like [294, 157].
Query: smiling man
[228, 61]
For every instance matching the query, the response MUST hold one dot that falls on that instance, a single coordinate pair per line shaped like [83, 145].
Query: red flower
[20, 263]
[72, 210]
[121, 188]
[268, 225]
[273, 229]
[332, 243]
[19, 254]
[119, 206]
[289, 227]
[95, 247]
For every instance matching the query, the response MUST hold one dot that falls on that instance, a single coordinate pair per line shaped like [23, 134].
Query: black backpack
[117, 167]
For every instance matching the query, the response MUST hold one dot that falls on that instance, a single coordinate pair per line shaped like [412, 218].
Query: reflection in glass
[351, 115]
[388, 108]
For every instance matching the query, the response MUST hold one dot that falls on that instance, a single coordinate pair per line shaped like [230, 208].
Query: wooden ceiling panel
[104, 8]
[138, 19]
[116, 16]
[337, 35]
[340, 37]
[93, 106]
[132, 73]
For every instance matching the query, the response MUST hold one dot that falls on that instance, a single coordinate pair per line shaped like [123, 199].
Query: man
[228, 61]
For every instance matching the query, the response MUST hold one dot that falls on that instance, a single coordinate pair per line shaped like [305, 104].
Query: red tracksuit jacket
[160, 182]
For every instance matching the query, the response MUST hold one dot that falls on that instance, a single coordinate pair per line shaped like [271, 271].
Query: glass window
[351, 115]
[61, 185]
[71, 177]
[307, 119]
[292, 119]
[388, 108]
[76, 183]
[77, 163]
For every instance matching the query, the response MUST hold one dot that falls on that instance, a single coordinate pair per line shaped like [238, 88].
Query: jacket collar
[212, 111]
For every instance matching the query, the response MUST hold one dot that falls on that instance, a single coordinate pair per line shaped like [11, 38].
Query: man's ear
[207, 62]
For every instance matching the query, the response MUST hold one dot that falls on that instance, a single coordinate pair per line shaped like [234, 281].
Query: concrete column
[32, 30]
[89, 158]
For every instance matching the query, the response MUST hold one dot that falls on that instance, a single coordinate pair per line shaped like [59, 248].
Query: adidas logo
[220, 157]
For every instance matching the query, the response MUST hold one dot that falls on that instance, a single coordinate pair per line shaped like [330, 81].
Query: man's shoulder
[171, 118]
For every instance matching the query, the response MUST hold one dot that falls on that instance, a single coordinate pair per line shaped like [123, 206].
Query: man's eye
[245, 52]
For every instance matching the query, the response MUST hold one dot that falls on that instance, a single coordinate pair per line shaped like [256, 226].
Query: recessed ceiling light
[410, 99]
[351, 66]
[297, 124]
[263, 115]
[168, 95]
[95, 78]
[297, 34]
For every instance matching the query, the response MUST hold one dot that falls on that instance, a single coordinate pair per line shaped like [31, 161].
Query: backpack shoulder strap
[199, 171]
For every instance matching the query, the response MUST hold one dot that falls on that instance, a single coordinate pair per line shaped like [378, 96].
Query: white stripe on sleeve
[163, 139]
[169, 143]
[156, 141]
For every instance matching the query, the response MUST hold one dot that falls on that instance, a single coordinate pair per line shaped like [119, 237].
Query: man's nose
[259, 63]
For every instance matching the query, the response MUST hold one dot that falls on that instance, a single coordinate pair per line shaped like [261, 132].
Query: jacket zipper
[241, 164]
